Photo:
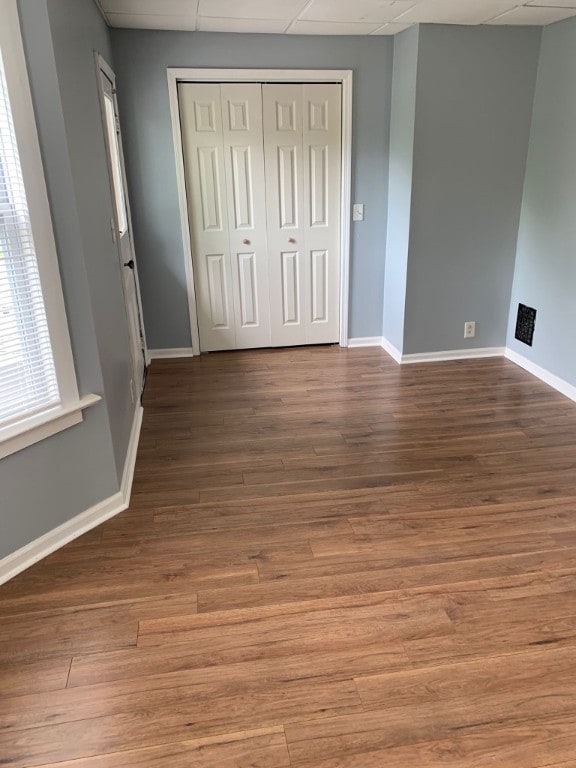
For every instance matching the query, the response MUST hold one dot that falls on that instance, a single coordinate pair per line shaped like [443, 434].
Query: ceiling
[327, 17]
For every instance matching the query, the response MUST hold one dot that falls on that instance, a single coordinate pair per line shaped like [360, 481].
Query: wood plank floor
[329, 561]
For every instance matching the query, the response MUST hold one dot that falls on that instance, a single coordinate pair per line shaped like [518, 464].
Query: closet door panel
[322, 141]
[246, 201]
[283, 125]
[203, 148]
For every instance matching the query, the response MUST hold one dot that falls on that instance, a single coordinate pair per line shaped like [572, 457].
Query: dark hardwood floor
[328, 561]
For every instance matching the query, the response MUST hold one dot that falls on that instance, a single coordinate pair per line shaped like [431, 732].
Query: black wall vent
[525, 323]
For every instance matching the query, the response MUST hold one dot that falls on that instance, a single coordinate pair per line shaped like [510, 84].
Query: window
[115, 161]
[38, 391]
[27, 376]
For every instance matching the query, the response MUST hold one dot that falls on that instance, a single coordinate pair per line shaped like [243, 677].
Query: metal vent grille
[525, 322]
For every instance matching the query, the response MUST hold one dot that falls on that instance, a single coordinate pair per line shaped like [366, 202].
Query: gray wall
[141, 59]
[52, 481]
[545, 274]
[473, 109]
[403, 110]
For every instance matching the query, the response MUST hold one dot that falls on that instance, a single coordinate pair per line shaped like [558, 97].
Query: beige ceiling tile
[391, 29]
[274, 26]
[328, 17]
[454, 11]
[153, 7]
[331, 28]
[149, 21]
[554, 3]
[356, 11]
[529, 14]
[251, 9]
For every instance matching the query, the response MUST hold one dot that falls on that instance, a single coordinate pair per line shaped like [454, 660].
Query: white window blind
[28, 383]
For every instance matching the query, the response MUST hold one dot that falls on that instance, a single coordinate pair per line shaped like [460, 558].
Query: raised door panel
[283, 125]
[318, 186]
[319, 286]
[322, 149]
[248, 290]
[288, 202]
[204, 164]
[290, 288]
[209, 163]
[246, 196]
[217, 291]
[242, 187]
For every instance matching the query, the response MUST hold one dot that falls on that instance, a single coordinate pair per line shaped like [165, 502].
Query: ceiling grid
[328, 17]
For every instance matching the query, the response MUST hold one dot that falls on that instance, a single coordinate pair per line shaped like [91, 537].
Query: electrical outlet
[358, 212]
[470, 329]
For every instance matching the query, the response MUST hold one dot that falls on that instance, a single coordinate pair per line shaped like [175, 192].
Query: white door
[322, 152]
[283, 139]
[262, 167]
[224, 162]
[122, 226]
[302, 139]
[246, 199]
[203, 147]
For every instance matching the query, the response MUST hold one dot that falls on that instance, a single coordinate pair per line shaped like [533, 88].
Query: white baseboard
[393, 351]
[376, 341]
[23, 558]
[130, 461]
[366, 341]
[561, 385]
[425, 357]
[453, 354]
[162, 354]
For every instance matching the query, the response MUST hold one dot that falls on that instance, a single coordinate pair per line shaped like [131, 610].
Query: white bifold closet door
[263, 183]
[224, 161]
[302, 144]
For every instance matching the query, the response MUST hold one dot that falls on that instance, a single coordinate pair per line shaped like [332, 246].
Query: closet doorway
[264, 171]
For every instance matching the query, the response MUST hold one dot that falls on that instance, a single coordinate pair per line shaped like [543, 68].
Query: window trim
[30, 430]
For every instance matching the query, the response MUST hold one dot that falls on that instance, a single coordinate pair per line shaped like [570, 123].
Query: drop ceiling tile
[454, 11]
[154, 7]
[274, 26]
[328, 17]
[391, 29]
[554, 3]
[529, 14]
[251, 9]
[149, 21]
[331, 28]
[358, 10]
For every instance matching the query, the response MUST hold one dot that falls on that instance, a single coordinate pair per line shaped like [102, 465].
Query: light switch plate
[358, 212]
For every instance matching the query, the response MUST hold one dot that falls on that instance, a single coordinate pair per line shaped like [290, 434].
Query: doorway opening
[121, 223]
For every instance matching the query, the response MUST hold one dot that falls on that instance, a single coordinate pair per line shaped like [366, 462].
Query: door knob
[291, 240]
[130, 264]
[246, 242]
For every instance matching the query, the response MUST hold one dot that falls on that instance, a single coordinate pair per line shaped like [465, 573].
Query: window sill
[44, 425]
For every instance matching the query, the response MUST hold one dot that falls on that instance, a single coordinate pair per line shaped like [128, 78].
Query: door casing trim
[200, 75]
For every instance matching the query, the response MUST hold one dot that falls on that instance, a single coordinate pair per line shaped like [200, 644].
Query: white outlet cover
[358, 212]
[470, 329]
